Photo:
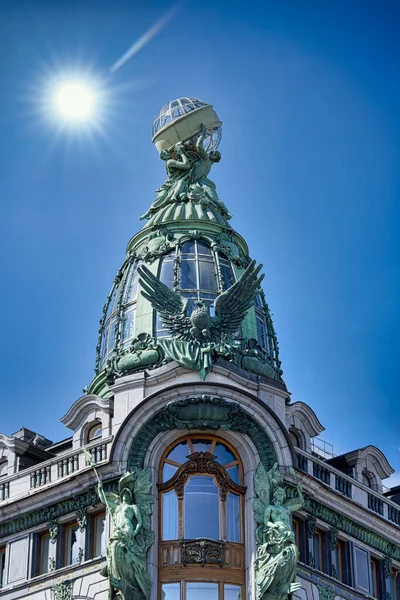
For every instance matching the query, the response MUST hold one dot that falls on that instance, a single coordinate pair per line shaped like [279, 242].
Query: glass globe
[176, 109]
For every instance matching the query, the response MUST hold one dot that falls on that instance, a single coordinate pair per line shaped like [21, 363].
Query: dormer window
[94, 432]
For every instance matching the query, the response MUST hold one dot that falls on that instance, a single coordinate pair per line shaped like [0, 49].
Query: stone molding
[200, 412]
[301, 416]
[83, 407]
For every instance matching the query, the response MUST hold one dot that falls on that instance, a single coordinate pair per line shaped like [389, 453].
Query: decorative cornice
[306, 416]
[83, 407]
[372, 454]
[201, 412]
[51, 513]
[351, 528]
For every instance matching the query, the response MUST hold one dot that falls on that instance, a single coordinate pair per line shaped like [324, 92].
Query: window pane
[201, 591]
[168, 471]
[261, 333]
[167, 273]
[317, 551]
[233, 473]
[223, 454]
[203, 248]
[188, 248]
[180, 452]
[170, 591]
[362, 564]
[2, 565]
[207, 276]
[131, 287]
[258, 302]
[99, 535]
[170, 516]
[201, 445]
[227, 276]
[233, 518]
[73, 544]
[201, 502]
[232, 592]
[127, 326]
[188, 275]
[44, 553]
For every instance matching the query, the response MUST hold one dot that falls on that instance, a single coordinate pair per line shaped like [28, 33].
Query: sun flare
[75, 101]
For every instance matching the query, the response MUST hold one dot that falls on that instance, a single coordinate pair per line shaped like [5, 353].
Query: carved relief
[203, 552]
[202, 462]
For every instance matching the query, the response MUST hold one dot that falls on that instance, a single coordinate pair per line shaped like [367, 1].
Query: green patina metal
[63, 590]
[326, 592]
[202, 412]
[127, 548]
[50, 514]
[341, 523]
[187, 207]
[276, 563]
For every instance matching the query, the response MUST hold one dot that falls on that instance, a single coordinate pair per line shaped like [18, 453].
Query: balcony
[52, 471]
[348, 486]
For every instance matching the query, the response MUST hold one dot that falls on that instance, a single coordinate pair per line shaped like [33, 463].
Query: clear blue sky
[309, 96]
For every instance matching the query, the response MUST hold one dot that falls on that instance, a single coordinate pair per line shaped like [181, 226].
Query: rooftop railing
[348, 486]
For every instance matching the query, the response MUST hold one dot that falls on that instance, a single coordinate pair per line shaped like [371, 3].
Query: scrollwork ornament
[202, 552]
[311, 526]
[51, 524]
[333, 537]
[63, 590]
[326, 593]
[159, 242]
[387, 563]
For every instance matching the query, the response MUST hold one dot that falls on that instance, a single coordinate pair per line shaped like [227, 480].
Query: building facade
[212, 479]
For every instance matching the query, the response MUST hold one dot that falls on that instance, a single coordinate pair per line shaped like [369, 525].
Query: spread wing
[170, 306]
[262, 485]
[231, 306]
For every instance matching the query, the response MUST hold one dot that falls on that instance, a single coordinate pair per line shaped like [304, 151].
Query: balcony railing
[51, 471]
[4, 490]
[343, 486]
[322, 473]
[348, 486]
[375, 504]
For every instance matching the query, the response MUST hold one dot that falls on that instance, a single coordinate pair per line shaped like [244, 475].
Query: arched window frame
[118, 321]
[91, 430]
[230, 573]
[3, 468]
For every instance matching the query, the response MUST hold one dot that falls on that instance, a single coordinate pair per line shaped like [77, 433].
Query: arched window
[94, 432]
[201, 520]
[261, 321]
[367, 479]
[3, 468]
[295, 437]
[198, 272]
[117, 325]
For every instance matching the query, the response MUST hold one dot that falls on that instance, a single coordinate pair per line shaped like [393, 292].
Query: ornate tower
[189, 474]
[189, 246]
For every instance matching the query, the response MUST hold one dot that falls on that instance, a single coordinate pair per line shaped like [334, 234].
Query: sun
[75, 101]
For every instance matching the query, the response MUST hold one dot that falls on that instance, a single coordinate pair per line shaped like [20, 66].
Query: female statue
[130, 538]
[277, 550]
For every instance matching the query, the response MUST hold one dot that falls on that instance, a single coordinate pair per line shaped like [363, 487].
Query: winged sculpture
[276, 563]
[230, 307]
[131, 537]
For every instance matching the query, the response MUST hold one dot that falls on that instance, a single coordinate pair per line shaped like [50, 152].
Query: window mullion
[222, 517]
[181, 518]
